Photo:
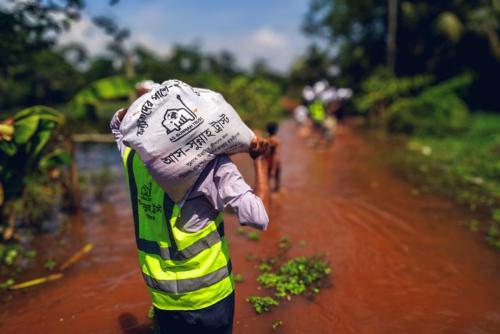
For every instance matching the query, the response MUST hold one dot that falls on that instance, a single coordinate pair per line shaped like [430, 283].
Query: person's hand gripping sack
[259, 147]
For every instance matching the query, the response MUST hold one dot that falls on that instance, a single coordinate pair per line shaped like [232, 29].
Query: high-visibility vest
[182, 270]
[317, 111]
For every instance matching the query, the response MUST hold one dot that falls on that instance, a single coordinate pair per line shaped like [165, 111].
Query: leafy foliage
[439, 37]
[380, 90]
[262, 304]
[257, 100]
[27, 156]
[297, 276]
[464, 167]
[438, 110]
[86, 102]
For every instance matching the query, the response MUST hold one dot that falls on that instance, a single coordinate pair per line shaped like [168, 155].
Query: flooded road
[400, 263]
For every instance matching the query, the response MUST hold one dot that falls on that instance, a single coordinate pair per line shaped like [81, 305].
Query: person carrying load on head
[183, 253]
[317, 112]
[316, 107]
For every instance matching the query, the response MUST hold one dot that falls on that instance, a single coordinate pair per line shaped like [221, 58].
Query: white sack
[177, 130]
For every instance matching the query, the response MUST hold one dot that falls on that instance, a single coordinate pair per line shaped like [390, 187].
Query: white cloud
[269, 39]
[147, 40]
[86, 33]
[268, 44]
[276, 48]
[95, 40]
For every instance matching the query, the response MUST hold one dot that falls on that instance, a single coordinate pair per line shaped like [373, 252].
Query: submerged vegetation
[301, 275]
[262, 304]
[285, 278]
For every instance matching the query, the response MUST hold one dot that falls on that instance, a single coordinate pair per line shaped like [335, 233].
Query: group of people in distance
[322, 108]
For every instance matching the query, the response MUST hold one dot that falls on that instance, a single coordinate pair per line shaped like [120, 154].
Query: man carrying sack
[183, 253]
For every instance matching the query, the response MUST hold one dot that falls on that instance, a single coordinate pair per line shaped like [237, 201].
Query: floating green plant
[238, 278]
[254, 236]
[262, 304]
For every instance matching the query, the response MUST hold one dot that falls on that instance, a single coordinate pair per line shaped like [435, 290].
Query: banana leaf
[25, 129]
[111, 88]
[58, 157]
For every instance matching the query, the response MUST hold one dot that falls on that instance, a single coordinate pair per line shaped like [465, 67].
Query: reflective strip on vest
[188, 285]
[317, 111]
[170, 253]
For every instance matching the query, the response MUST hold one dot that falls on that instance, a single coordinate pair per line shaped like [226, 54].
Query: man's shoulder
[219, 166]
[222, 160]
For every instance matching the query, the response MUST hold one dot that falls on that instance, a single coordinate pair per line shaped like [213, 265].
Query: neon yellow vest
[183, 270]
[317, 111]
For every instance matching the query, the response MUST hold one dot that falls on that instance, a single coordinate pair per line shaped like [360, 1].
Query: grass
[465, 167]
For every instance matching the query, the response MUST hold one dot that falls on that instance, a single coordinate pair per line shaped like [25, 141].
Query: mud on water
[401, 263]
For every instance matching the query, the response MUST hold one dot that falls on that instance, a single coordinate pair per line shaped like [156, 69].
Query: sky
[256, 29]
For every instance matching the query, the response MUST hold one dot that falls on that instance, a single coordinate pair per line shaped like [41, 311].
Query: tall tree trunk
[129, 65]
[392, 22]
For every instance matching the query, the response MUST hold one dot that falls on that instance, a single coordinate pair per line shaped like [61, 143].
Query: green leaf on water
[50, 264]
[7, 283]
[151, 312]
[238, 278]
[253, 236]
[262, 304]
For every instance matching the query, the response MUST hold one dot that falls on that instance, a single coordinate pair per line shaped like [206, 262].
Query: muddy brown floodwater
[401, 263]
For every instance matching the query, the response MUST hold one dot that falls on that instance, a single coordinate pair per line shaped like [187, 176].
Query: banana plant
[86, 101]
[28, 148]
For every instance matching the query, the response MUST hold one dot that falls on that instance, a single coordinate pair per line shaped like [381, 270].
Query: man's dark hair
[272, 128]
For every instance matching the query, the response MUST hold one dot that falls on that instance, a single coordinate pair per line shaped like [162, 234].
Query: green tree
[444, 38]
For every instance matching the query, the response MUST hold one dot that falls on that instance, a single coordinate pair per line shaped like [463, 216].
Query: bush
[32, 156]
[438, 110]
[381, 89]
[464, 167]
[256, 100]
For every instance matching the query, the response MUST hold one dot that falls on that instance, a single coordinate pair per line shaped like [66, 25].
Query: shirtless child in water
[273, 159]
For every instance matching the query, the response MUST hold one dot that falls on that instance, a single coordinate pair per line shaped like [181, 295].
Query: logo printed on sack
[182, 120]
